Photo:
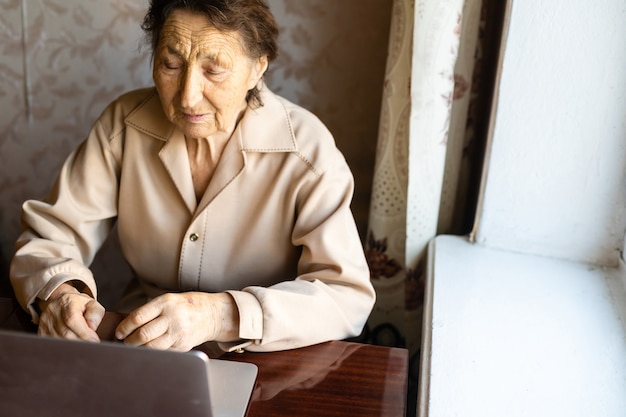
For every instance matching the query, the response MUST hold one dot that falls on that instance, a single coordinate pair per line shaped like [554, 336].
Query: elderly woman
[231, 203]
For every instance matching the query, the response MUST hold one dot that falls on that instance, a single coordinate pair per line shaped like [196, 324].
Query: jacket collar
[265, 129]
[150, 119]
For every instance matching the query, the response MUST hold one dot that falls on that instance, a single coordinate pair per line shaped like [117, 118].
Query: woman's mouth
[195, 118]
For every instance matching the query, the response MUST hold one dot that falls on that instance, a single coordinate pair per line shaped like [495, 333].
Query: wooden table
[330, 379]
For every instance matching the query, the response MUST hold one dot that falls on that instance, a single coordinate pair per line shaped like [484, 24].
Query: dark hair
[252, 19]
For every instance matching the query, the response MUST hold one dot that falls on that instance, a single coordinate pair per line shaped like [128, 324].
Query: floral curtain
[423, 134]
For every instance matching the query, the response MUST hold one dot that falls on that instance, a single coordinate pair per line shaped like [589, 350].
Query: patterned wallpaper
[62, 61]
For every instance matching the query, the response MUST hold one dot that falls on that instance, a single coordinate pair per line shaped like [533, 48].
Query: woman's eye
[215, 71]
[171, 65]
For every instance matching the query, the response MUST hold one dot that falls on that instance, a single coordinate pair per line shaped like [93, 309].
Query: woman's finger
[137, 319]
[149, 333]
[74, 322]
[94, 313]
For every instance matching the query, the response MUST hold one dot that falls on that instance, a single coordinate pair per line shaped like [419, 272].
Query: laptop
[44, 376]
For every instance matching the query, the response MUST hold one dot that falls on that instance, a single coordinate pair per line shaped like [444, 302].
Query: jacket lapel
[266, 129]
[230, 165]
[150, 119]
[176, 162]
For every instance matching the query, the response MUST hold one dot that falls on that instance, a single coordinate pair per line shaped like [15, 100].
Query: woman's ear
[258, 69]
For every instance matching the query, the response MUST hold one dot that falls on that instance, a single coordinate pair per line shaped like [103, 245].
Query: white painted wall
[533, 333]
[557, 171]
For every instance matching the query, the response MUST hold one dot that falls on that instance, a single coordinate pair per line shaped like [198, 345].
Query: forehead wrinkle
[207, 43]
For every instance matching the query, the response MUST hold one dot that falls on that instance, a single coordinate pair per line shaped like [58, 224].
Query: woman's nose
[191, 89]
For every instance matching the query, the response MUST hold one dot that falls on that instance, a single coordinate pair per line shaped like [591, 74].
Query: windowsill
[509, 334]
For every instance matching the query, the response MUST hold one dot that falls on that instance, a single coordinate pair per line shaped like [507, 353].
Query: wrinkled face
[203, 75]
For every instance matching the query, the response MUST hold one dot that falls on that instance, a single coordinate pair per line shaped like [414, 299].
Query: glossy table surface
[330, 379]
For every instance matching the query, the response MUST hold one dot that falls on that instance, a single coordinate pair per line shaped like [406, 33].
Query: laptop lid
[42, 376]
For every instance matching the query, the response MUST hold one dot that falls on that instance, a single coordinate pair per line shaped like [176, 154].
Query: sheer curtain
[423, 133]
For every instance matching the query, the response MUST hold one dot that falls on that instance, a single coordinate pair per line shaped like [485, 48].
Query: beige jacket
[274, 227]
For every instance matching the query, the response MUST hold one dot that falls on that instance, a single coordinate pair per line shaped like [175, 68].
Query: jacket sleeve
[332, 296]
[62, 233]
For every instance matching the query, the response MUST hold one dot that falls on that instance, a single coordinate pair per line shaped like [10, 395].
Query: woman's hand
[70, 314]
[181, 321]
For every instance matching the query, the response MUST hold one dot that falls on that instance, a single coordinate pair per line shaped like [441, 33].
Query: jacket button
[193, 237]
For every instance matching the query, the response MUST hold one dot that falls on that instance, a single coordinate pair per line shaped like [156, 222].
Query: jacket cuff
[237, 347]
[250, 315]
